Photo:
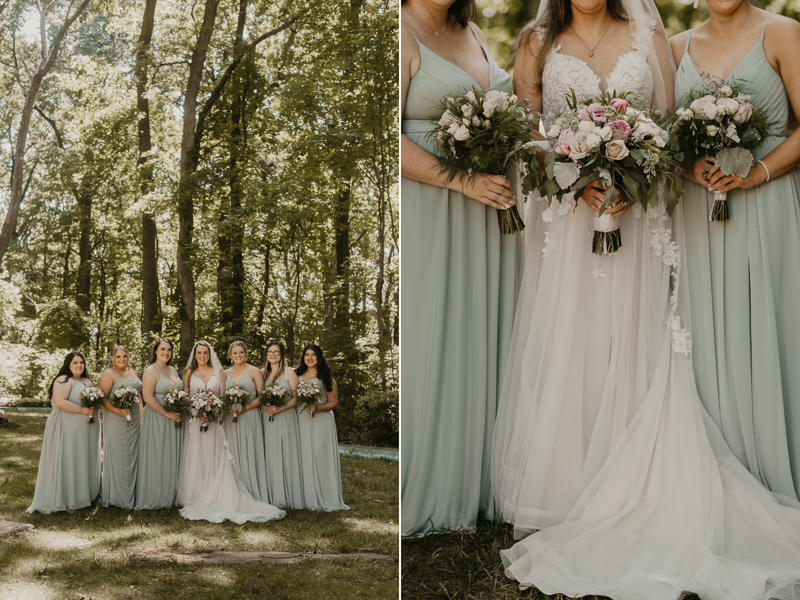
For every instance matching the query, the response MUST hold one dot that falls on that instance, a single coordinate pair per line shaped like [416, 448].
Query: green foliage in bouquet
[717, 119]
[483, 133]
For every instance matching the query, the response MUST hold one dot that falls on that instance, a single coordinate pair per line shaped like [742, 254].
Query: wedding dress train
[601, 440]
[208, 487]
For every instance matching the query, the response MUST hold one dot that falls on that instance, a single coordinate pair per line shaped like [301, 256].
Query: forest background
[206, 169]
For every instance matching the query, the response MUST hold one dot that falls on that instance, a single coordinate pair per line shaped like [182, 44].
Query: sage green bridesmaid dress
[320, 472]
[739, 294]
[160, 446]
[282, 445]
[121, 452]
[246, 443]
[69, 466]
[460, 283]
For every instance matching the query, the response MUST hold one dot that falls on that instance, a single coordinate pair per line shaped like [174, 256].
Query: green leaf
[735, 161]
[566, 173]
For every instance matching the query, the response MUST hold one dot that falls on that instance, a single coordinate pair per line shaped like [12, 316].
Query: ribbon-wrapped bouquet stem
[483, 133]
[717, 119]
[621, 148]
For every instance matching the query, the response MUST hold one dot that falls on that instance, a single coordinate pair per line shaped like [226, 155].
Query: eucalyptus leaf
[735, 161]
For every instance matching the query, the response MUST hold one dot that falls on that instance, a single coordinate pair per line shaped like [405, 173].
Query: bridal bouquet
[483, 133]
[308, 392]
[607, 141]
[275, 395]
[718, 119]
[124, 398]
[92, 397]
[179, 402]
[207, 407]
[233, 398]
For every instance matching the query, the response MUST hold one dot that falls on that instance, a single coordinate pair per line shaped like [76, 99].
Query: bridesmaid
[281, 435]
[69, 466]
[740, 279]
[319, 446]
[121, 443]
[246, 437]
[160, 443]
[460, 280]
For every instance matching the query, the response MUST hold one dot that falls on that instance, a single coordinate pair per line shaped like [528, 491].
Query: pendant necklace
[591, 50]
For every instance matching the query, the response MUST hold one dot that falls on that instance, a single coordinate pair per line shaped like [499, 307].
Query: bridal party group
[256, 458]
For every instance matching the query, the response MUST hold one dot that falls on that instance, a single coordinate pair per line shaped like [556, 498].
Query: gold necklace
[446, 25]
[591, 50]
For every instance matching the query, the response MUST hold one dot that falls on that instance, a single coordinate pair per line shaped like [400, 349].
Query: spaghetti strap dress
[460, 283]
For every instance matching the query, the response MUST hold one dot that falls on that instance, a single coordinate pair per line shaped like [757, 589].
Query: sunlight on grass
[93, 551]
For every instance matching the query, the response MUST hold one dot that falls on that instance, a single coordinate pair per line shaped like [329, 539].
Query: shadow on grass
[92, 551]
[466, 565]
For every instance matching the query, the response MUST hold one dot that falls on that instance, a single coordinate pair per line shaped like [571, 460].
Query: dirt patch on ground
[238, 558]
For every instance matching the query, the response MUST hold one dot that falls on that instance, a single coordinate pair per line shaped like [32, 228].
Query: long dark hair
[461, 11]
[65, 370]
[267, 366]
[555, 19]
[153, 357]
[323, 370]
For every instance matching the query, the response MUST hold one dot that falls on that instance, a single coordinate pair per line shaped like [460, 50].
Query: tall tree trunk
[84, 199]
[190, 150]
[265, 294]
[231, 233]
[151, 322]
[49, 54]
[65, 275]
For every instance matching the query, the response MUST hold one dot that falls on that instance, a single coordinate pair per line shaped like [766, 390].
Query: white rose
[447, 119]
[555, 131]
[593, 141]
[688, 115]
[487, 123]
[471, 97]
[616, 150]
[476, 121]
[744, 113]
[712, 130]
[579, 148]
[498, 99]
[586, 126]
[488, 108]
[453, 128]
[467, 110]
[461, 134]
[725, 90]
[705, 107]
[605, 133]
[727, 106]
[659, 139]
[513, 99]
[465, 121]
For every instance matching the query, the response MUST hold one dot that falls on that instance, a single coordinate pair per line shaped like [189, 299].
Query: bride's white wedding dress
[208, 487]
[601, 438]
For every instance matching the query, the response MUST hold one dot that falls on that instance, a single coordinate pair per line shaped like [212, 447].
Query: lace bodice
[198, 385]
[564, 72]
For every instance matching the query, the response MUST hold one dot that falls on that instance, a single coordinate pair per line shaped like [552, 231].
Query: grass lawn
[92, 553]
[466, 566]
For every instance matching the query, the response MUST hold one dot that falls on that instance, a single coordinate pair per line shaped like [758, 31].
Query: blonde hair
[113, 352]
[234, 344]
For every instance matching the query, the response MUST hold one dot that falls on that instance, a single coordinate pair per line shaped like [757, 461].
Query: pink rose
[620, 130]
[620, 104]
[564, 141]
[596, 113]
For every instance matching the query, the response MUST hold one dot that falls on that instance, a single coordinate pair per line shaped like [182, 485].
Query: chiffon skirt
[284, 474]
[320, 472]
[69, 465]
[246, 439]
[120, 458]
[160, 449]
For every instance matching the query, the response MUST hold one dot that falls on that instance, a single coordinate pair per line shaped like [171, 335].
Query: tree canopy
[220, 170]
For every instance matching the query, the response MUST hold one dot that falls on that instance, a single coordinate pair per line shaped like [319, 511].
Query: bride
[601, 440]
[208, 485]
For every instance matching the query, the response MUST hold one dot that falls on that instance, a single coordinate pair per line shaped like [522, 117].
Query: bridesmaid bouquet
[233, 398]
[607, 141]
[275, 395]
[207, 407]
[124, 398]
[179, 402]
[308, 392]
[92, 397]
[719, 120]
[483, 133]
